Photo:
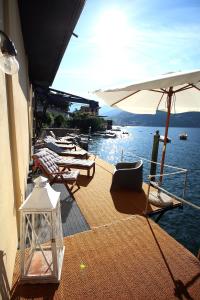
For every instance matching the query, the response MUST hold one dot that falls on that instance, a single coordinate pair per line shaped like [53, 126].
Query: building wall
[15, 145]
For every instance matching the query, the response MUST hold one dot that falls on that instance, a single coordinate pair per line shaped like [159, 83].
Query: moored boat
[161, 139]
[110, 135]
[183, 136]
[116, 128]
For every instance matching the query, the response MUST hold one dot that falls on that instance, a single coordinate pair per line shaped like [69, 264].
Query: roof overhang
[47, 27]
[60, 99]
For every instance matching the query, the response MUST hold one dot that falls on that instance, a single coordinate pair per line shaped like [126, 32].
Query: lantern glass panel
[38, 241]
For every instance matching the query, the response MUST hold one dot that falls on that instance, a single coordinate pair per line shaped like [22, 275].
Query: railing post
[185, 185]
[89, 132]
[147, 198]
[154, 155]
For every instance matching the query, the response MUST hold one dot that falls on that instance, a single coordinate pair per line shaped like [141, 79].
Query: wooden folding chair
[52, 171]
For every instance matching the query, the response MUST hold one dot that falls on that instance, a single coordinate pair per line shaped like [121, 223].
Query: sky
[123, 41]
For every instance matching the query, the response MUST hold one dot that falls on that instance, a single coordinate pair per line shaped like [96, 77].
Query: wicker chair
[128, 176]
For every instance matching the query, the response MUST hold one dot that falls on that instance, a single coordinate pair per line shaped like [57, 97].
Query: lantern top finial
[40, 181]
[42, 198]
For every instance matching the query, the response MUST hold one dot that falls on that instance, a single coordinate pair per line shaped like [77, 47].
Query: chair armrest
[126, 172]
[127, 165]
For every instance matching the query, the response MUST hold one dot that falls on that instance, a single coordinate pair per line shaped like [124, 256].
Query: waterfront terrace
[112, 250]
[115, 252]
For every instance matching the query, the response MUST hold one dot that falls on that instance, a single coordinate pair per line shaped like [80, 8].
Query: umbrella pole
[169, 101]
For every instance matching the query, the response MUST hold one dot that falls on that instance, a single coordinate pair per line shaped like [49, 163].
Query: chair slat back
[46, 162]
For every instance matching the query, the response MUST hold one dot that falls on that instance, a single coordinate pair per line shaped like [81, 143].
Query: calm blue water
[182, 224]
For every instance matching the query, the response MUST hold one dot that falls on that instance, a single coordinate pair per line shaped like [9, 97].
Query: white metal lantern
[41, 241]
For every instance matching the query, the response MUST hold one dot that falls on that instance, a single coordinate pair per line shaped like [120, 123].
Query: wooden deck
[95, 196]
[125, 255]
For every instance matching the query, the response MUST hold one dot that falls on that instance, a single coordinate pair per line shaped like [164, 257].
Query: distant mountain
[119, 117]
[109, 111]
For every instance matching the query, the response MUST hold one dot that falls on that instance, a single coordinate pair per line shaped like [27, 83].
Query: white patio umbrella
[172, 92]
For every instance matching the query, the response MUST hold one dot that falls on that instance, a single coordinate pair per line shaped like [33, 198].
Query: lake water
[182, 224]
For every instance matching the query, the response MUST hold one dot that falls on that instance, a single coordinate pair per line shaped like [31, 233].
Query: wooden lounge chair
[68, 138]
[128, 176]
[48, 155]
[62, 146]
[60, 151]
[50, 169]
[49, 138]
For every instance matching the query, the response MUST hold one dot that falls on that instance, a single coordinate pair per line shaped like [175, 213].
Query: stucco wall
[15, 129]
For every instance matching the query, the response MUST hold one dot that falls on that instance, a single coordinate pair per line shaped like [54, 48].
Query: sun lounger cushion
[61, 146]
[51, 169]
[55, 148]
[49, 138]
[70, 175]
[47, 162]
[58, 150]
[50, 158]
[77, 162]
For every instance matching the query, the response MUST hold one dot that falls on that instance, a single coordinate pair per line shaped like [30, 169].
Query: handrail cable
[154, 162]
[167, 174]
[185, 171]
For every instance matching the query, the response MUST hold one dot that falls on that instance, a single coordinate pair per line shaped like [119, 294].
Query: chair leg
[78, 185]
[75, 183]
[93, 170]
[69, 189]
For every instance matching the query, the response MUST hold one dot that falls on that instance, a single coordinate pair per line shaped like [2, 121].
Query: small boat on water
[116, 128]
[98, 134]
[183, 136]
[110, 135]
[161, 139]
[105, 134]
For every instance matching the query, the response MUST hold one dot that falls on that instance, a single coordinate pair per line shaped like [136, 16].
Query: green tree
[84, 120]
[49, 120]
[60, 121]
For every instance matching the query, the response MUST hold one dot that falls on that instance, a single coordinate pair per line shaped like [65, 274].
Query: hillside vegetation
[119, 117]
